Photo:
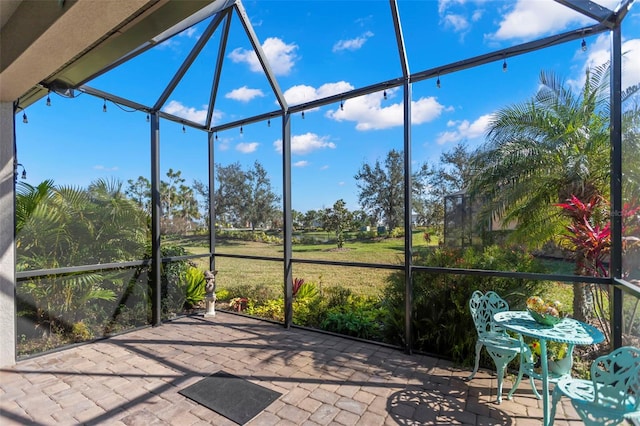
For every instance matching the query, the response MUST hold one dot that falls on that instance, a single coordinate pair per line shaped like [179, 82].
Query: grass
[234, 272]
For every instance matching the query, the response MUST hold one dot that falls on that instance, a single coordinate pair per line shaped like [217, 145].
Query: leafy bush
[271, 309]
[359, 317]
[305, 239]
[357, 324]
[396, 232]
[307, 290]
[194, 286]
[256, 236]
[257, 294]
[337, 296]
[80, 332]
[223, 295]
[172, 292]
[441, 320]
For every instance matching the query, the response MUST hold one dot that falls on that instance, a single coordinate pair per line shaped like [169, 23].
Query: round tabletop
[568, 330]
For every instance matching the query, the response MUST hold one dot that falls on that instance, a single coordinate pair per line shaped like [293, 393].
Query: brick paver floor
[134, 379]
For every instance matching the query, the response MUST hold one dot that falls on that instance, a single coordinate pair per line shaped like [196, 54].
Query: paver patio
[134, 379]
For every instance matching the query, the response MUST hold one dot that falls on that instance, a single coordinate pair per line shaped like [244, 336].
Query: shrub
[396, 232]
[441, 320]
[359, 317]
[256, 236]
[223, 295]
[306, 240]
[307, 290]
[257, 295]
[271, 309]
[80, 332]
[337, 296]
[194, 286]
[366, 235]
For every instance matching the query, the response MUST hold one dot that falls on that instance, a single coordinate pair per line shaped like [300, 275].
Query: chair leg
[500, 369]
[555, 398]
[518, 380]
[533, 387]
[501, 360]
[475, 369]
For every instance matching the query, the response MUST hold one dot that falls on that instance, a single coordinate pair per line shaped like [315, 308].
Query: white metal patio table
[569, 331]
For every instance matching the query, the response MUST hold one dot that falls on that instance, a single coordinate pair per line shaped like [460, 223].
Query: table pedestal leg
[545, 382]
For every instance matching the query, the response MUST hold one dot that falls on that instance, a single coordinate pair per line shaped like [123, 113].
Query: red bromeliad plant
[589, 234]
[590, 237]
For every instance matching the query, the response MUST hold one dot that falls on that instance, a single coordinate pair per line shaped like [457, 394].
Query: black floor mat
[231, 396]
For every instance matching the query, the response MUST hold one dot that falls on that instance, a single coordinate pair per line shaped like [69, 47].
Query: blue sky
[316, 49]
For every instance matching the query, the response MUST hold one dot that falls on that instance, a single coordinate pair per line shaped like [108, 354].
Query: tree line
[244, 198]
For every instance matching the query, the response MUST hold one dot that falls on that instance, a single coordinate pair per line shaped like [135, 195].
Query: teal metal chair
[612, 396]
[501, 347]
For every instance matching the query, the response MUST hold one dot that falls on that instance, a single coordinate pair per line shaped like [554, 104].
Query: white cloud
[599, 52]
[532, 18]
[247, 147]
[459, 14]
[222, 144]
[281, 56]
[325, 167]
[306, 143]
[443, 5]
[174, 43]
[301, 93]
[190, 113]
[369, 114]
[104, 168]
[457, 22]
[363, 22]
[631, 62]
[353, 44]
[189, 32]
[341, 183]
[244, 94]
[465, 130]
[301, 163]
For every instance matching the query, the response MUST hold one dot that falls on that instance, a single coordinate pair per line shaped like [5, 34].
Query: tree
[186, 212]
[140, 192]
[361, 219]
[118, 226]
[382, 188]
[66, 226]
[230, 193]
[245, 198]
[297, 218]
[337, 219]
[311, 219]
[542, 152]
[202, 190]
[453, 175]
[262, 201]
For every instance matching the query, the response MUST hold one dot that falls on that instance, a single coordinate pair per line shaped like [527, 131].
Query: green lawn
[234, 272]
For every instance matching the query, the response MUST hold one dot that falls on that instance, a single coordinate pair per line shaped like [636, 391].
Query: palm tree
[69, 226]
[542, 152]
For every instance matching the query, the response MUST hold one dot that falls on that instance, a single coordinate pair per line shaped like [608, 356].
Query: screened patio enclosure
[150, 115]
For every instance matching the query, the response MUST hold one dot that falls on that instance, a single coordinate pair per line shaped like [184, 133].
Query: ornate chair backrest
[616, 379]
[483, 307]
